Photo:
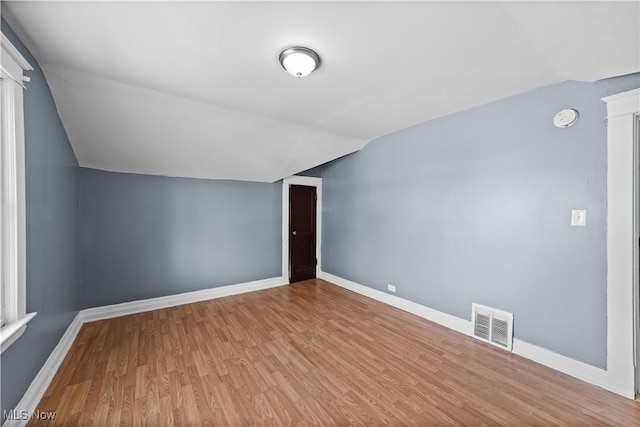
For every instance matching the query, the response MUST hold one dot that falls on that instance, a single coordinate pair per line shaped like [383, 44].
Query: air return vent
[492, 326]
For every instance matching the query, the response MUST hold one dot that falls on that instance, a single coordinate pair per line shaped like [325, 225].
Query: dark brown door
[302, 233]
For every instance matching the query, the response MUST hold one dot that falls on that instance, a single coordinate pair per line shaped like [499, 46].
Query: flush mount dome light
[299, 61]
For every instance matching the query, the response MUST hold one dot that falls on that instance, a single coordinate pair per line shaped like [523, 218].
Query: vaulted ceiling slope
[195, 89]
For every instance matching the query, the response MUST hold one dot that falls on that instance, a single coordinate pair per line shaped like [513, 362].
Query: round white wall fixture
[565, 118]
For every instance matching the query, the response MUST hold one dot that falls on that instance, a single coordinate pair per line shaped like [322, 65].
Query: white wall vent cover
[492, 326]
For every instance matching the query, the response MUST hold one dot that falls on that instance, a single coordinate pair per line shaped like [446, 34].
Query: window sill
[11, 332]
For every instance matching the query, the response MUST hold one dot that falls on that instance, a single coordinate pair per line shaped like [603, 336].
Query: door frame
[622, 246]
[309, 182]
[636, 248]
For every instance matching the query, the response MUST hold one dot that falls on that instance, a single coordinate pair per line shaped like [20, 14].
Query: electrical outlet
[391, 288]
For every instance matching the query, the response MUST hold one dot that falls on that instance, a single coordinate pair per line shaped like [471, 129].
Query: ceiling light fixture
[299, 61]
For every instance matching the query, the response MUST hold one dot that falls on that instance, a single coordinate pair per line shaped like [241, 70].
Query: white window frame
[12, 189]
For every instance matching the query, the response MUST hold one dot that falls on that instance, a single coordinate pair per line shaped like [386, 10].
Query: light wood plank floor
[309, 353]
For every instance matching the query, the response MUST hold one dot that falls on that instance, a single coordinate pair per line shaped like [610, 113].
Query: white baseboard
[564, 364]
[540, 355]
[569, 366]
[444, 319]
[40, 383]
[140, 306]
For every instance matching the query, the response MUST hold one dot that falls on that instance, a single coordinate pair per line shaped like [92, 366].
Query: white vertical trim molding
[311, 182]
[13, 217]
[621, 244]
[9, 213]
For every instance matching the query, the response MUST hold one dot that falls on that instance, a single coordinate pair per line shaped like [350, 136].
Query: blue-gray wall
[475, 207]
[145, 236]
[313, 172]
[52, 235]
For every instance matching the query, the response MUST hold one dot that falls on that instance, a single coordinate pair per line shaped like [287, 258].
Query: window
[13, 317]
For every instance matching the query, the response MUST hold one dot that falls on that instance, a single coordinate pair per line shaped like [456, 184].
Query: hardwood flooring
[308, 354]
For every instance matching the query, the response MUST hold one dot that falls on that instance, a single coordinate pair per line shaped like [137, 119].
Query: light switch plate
[578, 218]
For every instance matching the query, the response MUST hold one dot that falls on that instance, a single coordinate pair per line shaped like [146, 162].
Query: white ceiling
[195, 89]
